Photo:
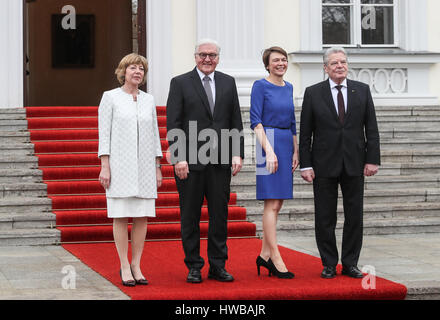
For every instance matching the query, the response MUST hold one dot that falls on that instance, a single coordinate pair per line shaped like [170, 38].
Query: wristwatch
[158, 165]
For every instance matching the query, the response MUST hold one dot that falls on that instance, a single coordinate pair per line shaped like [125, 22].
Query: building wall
[282, 28]
[434, 42]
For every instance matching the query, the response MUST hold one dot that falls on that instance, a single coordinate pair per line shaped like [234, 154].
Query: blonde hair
[132, 58]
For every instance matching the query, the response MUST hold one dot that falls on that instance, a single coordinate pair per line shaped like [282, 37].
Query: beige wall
[434, 42]
[282, 28]
[184, 30]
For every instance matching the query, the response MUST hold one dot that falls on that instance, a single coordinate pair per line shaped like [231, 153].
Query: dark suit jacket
[326, 144]
[187, 101]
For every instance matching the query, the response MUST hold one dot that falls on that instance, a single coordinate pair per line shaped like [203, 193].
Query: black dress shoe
[352, 272]
[274, 270]
[129, 283]
[220, 274]
[194, 276]
[328, 273]
[142, 281]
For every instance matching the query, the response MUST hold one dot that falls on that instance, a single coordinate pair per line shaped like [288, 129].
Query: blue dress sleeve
[257, 104]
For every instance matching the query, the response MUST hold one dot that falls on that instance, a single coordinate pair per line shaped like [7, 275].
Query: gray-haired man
[339, 145]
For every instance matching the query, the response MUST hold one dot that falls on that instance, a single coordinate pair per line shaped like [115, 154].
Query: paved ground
[37, 272]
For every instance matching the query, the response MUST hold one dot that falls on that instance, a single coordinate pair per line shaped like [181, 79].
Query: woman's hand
[295, 161]
[159, 177]
[104, 177]
[271, 162]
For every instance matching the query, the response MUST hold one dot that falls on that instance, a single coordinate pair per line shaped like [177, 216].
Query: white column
[11, 54]
[238, 26]
[159, 46]
[413, 25]
[311, 25]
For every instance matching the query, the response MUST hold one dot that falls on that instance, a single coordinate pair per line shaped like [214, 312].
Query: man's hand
[308, 175]
[371, 170]
[237, 164]
[182, 170]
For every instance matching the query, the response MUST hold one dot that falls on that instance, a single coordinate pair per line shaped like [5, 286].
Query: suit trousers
[326, 201]
[213, 182]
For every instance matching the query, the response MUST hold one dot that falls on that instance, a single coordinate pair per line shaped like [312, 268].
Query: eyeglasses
[211, 56]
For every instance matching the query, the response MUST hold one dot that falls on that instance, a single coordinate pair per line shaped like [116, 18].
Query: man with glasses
[204, 100]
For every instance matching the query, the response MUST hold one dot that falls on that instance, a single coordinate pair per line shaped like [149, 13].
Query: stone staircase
[403, 198]
[26, 216]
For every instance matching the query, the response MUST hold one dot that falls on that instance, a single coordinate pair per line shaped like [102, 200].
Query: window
[359, 23]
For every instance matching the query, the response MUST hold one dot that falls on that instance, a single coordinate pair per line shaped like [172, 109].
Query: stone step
[295, 212]
[8, 190]
[247, 199]
[13, 125]
[387, 110]
[20, 175]
[13, 137]
[386, 169]
[25, 205]
[18, 149]
[18, 162]
[371, 227]
[371, 183]
[405, 144]
[31, 220]
[30, 237]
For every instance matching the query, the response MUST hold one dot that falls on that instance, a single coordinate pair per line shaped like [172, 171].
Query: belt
[276, 127]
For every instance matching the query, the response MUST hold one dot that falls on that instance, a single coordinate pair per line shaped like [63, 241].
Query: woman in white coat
[130, 153]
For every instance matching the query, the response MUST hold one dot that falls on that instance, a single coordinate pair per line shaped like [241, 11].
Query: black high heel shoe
[129, 283]
[140, 281]
[281, 275]
[262, 263]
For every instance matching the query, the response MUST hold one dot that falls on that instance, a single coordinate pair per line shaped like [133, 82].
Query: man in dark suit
[339, 145]
[204, 103]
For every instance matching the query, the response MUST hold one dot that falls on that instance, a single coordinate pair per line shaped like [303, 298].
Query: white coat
[129, 135]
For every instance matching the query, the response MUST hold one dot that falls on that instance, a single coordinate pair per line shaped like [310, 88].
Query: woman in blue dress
[272, 117]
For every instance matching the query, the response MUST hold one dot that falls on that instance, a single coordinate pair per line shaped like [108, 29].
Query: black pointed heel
[142, 281]
[129, 283]
[281, 275]
[262, 263]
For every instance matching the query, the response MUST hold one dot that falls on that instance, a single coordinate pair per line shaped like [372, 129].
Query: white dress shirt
[335, 92]
[212, 82]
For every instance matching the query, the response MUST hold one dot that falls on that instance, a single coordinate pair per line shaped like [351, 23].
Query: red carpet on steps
[167, 274]
[66, 142]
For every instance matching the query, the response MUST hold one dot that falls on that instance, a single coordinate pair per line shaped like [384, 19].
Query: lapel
[328, 98]
[352, 98]
[218, 91]
[197, 83]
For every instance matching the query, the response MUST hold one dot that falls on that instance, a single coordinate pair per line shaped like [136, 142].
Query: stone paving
[36, 272]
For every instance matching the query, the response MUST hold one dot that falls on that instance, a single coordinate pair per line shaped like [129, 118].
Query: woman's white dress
[129, 135]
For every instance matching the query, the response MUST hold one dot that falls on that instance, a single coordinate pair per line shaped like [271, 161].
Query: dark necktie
[208, 91]
[341, 104]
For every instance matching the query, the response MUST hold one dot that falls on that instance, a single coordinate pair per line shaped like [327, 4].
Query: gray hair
[206, 41]
[331, 51]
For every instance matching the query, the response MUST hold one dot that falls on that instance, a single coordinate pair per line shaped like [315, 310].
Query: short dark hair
[269, 51]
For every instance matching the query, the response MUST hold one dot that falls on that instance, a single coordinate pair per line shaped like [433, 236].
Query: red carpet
[167, 273]
[66, 143]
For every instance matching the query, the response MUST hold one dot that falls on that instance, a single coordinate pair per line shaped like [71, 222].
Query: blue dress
[273, 107]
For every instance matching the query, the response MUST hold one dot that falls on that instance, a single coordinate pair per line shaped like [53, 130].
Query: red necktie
[341, 104]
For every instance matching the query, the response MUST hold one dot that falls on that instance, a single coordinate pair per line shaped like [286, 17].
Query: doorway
[72, 49]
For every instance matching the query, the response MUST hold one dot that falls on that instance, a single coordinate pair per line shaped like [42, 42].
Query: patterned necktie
[207, 86]
[341, 105]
